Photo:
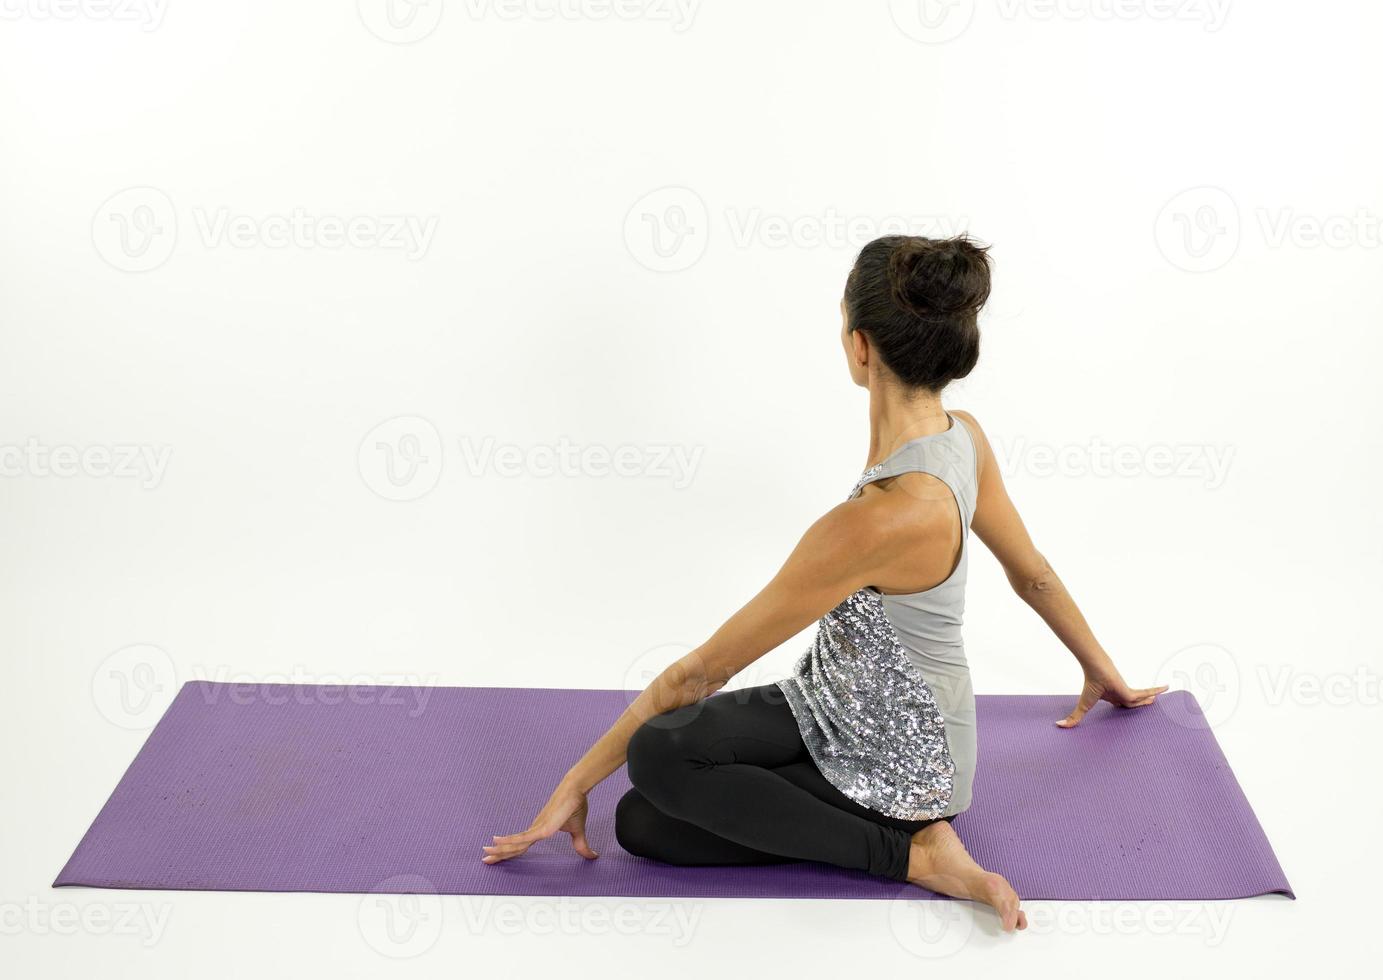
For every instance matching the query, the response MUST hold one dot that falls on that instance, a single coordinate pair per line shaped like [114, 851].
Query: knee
[659, 755]
[635, 819]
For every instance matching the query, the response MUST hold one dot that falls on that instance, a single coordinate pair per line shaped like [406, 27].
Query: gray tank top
[883, 696]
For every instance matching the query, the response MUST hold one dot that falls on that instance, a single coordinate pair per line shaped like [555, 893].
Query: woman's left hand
[565, 811]
[1106, 684]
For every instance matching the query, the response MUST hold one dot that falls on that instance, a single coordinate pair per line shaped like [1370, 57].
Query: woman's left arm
[836, 557]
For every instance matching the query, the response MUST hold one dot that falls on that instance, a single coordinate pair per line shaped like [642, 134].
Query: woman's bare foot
[939, 862]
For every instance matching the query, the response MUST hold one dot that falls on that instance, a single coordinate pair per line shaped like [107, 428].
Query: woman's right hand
[1108, 685]
[565, 811]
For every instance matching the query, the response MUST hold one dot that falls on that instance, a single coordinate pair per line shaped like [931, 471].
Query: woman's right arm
[997, 524]
[840, 554]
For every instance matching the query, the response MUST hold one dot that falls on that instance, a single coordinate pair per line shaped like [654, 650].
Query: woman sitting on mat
[863, 756]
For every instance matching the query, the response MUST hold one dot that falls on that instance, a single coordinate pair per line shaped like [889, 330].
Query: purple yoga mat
[395, 789]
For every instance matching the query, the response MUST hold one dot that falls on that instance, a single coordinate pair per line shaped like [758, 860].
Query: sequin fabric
[866, 714]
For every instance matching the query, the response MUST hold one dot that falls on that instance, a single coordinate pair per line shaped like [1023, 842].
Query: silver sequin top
[882, 696]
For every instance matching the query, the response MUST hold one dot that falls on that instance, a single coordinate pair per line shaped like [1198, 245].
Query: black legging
[728, 781]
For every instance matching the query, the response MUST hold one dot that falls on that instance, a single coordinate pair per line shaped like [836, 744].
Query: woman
[863, 756]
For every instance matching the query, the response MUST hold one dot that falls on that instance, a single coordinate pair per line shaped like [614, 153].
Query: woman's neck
[897, 416]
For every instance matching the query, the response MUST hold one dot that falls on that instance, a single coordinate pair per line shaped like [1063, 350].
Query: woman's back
[883, 696]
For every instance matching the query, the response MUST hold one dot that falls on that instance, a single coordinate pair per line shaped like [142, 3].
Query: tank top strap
[949, 456]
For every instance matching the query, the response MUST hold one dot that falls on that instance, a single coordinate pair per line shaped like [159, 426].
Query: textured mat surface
[297, 788]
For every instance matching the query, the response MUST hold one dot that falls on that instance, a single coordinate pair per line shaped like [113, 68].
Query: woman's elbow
[1033, 579]
[690, 679]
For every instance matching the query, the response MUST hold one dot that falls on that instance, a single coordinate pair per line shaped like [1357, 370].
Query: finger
[508, 848]
[502, 856]
[1148, 692]
[505, 851]
[582, 846]
[1073, 719]
[504, 848]
[527, 837]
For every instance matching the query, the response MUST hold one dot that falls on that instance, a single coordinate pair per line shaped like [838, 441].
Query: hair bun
[936, 277]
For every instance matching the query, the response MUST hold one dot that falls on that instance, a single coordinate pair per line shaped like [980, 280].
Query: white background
[1184, 207]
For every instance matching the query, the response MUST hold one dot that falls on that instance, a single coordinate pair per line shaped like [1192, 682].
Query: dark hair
[917, 299]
